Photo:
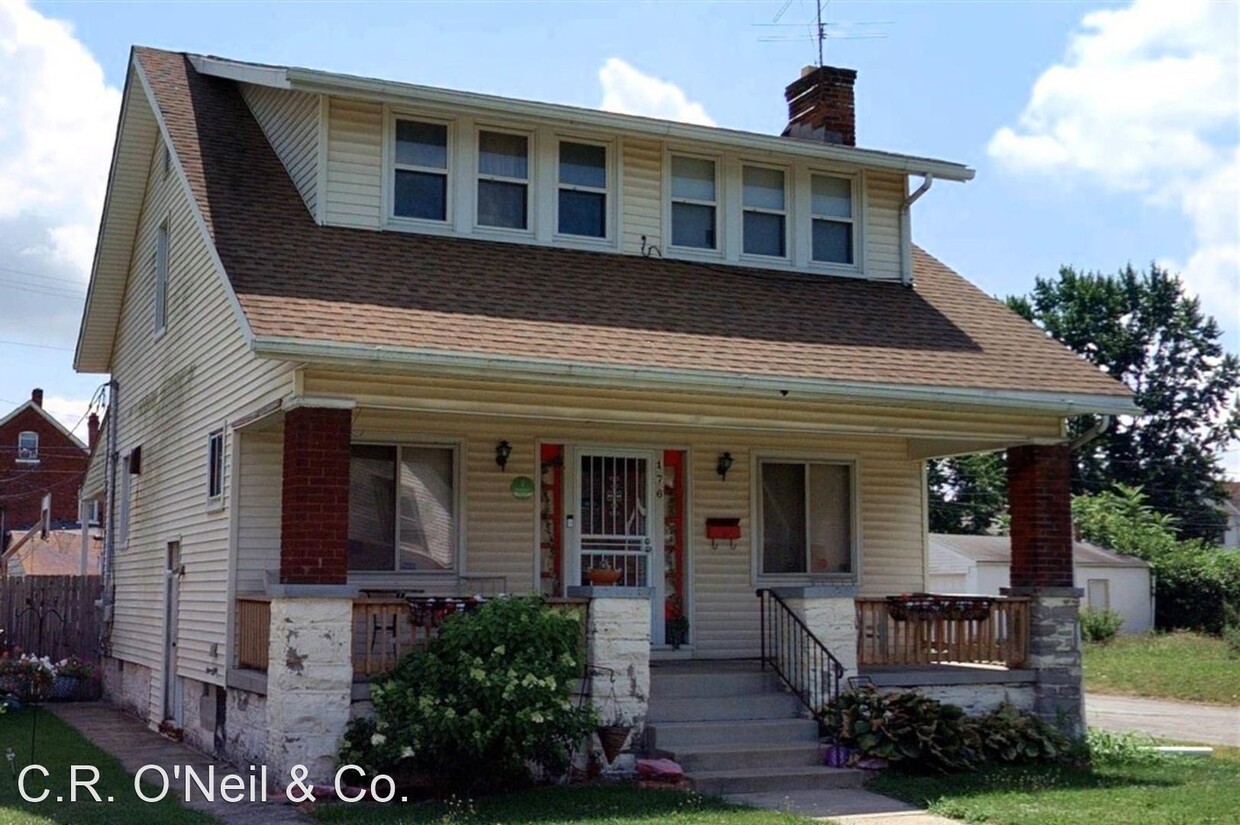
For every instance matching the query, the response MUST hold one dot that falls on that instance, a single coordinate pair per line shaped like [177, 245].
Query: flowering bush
[74, 668]
[27, 675]
[489, 698]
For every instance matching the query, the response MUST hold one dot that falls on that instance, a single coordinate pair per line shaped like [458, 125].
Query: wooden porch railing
[253, 631]
[1000, 638]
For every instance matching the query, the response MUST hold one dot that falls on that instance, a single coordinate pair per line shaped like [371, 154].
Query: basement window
[28, 446]
[807, 513]
[402, 508]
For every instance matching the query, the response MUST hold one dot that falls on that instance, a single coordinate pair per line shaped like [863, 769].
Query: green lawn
[1185, 666]
[57, 746]
[614, 805]
[1183, 791]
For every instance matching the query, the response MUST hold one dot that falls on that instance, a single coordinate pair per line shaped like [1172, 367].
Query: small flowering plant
[74, 668]
[27, 675]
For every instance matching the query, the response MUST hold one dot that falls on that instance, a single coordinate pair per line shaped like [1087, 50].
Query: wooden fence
[53, 616]
[1001, 637]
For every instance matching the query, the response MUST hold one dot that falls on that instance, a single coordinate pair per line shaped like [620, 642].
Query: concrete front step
[769, 705]
[762, 780]
[696, 758]
[678, 683]
[679, 736]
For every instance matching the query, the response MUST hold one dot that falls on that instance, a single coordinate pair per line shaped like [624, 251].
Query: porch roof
[390, 294]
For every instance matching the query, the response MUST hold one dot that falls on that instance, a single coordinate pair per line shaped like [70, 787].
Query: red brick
[315, 496]
[1040, 501]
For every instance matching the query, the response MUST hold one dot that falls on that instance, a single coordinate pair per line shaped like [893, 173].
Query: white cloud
[628, 91]
[1147, 100]
[70, 412]
[57, 120]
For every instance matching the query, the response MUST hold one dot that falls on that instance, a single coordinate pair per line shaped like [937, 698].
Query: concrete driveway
[1181, 721]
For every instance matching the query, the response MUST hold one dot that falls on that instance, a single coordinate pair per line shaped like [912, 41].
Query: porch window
[503, 180]
[583, 189]
[766, 213]
[421, 164]
[831, 204]
[806, 516]
[402, 508]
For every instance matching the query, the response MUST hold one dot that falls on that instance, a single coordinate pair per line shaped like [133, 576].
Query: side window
[215, 467]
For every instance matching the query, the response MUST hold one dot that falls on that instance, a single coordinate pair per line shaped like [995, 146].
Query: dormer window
[421, 164]
[583, 189]
[765, 204]
[695, 203]
[28, 446]
[503, 180]
[831, 208]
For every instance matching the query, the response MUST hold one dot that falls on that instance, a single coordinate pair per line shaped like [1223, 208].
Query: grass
[57, 746]
[1175, 791]
[613, 805]
[1185, 666]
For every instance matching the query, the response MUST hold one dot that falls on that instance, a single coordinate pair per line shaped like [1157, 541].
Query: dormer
[395, 157]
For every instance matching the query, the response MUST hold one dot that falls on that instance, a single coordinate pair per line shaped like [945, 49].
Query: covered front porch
[368, 510]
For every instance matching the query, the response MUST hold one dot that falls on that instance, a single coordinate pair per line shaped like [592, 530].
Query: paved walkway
[1180, 721]
[135, 745]
[846, 806]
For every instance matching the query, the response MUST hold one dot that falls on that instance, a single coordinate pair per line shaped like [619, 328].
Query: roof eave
[474, 365]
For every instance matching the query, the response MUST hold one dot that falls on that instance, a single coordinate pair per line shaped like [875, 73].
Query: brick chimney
[36, 395]
[92, 431]
[820, 105]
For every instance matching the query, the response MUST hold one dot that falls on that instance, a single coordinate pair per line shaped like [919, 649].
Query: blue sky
[1101, 133]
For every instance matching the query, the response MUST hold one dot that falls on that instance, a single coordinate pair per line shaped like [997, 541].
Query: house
[373, 343]
[982, 565]
[1231, 534]
[38, 457]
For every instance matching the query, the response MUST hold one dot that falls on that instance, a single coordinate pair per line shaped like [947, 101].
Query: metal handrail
[797, 656]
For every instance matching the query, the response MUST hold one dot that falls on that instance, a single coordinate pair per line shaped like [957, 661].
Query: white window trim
[786, 213]
[32, 459]
[124, 512]
[391, 219]
[693, 252]
[162, 266]
[760, 578]
[386, 578]
[529, 181]
[858, 239]
[215, 501]
[610, 192]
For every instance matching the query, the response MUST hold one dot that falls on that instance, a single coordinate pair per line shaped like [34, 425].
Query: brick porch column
[314, 525]
[1040, 502]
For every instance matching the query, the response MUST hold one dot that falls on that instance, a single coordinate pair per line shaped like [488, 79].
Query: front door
[620, 522]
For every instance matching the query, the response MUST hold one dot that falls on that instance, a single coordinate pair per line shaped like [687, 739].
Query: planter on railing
[924, 629]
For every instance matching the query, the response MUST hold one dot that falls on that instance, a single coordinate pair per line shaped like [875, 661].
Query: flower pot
[65, 688]
[612, 738]
[602, 577]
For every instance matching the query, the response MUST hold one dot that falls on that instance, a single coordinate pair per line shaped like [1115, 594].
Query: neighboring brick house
[39, 456]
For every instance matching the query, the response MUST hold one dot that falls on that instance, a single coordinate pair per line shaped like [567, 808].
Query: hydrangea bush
[490, 698]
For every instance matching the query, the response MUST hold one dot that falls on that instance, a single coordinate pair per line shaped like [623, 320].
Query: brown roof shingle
[295, 279]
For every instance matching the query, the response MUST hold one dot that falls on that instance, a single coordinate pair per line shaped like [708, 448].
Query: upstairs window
[27, 446]
[583, 190]
[831, 207]
[503, 180]
[215, 467]
[806, 518]
[161, 278]
[694, 202]
[421, 163]
[402, 508]
[765, 212]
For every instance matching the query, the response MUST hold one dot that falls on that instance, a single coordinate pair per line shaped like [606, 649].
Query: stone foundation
[127, 686]
[1055, 654]
[830, 613]
[618, 637]
[245, 727]
[309, 682]
[199, 714]
[978, 691]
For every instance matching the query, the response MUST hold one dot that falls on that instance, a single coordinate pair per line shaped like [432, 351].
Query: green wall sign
[522, 487]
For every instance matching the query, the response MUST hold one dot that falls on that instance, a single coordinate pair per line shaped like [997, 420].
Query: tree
[968, 494]
[1142, 328]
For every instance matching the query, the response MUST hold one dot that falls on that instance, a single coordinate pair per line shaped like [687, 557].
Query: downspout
[109, 529]
[1104, 424]
[906, 229]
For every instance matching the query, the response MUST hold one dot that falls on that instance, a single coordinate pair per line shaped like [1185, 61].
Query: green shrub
[1100, 625]
[1109, 748]
[1010, 735]
[488, 698]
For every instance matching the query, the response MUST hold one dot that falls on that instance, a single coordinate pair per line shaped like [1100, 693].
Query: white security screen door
[619, 521]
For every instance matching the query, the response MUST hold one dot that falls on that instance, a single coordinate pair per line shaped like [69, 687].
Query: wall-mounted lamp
[725, 464]
[502, 451]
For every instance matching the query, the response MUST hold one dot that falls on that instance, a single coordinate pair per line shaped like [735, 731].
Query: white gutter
[384, 91]
[906, 229]
[466, 365]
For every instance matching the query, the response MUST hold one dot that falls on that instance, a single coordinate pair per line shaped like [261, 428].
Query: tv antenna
[819, 31]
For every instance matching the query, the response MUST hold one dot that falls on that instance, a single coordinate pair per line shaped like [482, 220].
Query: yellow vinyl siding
[641, 187]
[884, 192]
[354, 164]
[260, 479]
[174, 390]
[290, 120]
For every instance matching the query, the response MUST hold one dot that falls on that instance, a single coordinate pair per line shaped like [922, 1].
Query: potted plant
[603, 575]
[612, 736]
[72, 677]
[29, 677]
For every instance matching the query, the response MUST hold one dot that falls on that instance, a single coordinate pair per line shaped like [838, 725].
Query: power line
[36, 346]
[27, 272]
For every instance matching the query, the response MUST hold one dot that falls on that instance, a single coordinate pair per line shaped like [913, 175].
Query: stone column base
[618, 638]
[1055, 656]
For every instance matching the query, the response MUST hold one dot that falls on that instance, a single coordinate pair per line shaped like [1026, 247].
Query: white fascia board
[384, 91]
[567, 372]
